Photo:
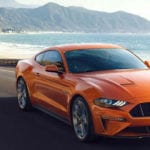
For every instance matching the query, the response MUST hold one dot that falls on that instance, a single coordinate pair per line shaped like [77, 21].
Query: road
[35, 130]
[7, 82]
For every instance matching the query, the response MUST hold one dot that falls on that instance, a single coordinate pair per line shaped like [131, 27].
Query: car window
[53, 57]
[80, 61]
[39, 58]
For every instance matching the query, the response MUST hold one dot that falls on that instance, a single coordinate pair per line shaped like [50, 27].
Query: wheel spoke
[22, 94]
[80, 119]
[83, 131]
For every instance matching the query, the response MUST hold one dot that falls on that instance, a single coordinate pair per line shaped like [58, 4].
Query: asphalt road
[35, 130]
[7, 82]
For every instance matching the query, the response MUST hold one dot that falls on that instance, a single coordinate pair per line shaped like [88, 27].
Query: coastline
[44, 32]
[10, 55]
[26, 44]
[17, 51]
[63, 32]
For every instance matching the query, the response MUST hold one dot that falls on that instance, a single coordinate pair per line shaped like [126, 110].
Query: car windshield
[80, 61]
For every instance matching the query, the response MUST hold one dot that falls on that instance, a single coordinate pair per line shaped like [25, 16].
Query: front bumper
[119, 122]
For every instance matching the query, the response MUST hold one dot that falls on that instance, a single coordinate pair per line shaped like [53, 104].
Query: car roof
[70, 47]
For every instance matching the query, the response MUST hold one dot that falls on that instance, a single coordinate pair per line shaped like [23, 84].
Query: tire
[23, 96]
[82, 120]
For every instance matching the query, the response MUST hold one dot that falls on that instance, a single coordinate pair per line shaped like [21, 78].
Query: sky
[138, 7]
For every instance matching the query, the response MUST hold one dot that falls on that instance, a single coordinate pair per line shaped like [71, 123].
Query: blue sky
[139, 7]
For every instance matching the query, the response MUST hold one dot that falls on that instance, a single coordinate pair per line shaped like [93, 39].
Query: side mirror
[52, 68]
[147, 63]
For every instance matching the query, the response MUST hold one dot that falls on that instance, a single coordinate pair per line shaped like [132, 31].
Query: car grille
[141, 110]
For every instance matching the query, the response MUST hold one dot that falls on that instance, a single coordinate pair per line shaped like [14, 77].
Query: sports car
[99, 89]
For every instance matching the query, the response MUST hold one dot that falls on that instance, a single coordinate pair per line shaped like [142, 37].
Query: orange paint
[55, 91]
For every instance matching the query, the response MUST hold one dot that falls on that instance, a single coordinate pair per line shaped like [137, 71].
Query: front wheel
[82, 121]
[23, 96]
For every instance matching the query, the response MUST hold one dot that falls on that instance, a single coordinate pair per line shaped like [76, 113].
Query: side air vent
[141, 110]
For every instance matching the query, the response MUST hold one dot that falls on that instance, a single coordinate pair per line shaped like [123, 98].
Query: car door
[52, 89]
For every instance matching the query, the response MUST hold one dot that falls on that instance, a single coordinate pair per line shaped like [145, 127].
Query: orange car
[100, 89]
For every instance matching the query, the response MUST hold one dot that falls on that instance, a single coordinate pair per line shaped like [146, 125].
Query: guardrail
[8, 62]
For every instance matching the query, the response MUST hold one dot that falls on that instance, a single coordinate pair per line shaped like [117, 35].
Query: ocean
[27, 44]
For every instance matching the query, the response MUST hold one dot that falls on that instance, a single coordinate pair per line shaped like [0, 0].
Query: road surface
[35, 130]
[7, 82]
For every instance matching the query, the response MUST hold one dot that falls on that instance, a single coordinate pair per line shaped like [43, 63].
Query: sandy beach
[20, 46]
[13, 51]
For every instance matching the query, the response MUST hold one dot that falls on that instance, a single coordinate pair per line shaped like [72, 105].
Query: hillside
[12, 3]
[54, 17]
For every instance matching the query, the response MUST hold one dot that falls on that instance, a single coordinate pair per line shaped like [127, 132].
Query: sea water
[27, 44]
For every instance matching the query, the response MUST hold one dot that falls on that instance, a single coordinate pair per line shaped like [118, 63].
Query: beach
[25, 45]
[16, 51]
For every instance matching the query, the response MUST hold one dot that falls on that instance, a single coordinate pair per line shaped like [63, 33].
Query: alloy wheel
[22, 94]
[80, 119]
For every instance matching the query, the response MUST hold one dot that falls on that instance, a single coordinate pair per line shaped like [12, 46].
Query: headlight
[103, 102]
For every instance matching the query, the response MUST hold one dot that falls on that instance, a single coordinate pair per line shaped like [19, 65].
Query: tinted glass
[39, 58]
[53, 57]
[102, 59]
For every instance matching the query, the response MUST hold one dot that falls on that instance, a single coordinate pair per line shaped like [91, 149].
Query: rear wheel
[82, 121]
[23, 96]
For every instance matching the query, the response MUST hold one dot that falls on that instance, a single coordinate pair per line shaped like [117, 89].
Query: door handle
[37, 74]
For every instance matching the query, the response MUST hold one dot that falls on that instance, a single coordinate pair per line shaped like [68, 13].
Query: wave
[19, 51]
[43, 32]
[20, 45]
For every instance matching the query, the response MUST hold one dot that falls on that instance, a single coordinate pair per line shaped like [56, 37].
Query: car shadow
[36, 130]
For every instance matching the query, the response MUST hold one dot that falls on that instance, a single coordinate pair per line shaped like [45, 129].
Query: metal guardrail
[8, 62]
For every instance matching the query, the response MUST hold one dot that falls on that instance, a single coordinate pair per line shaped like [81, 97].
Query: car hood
[124, 84]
